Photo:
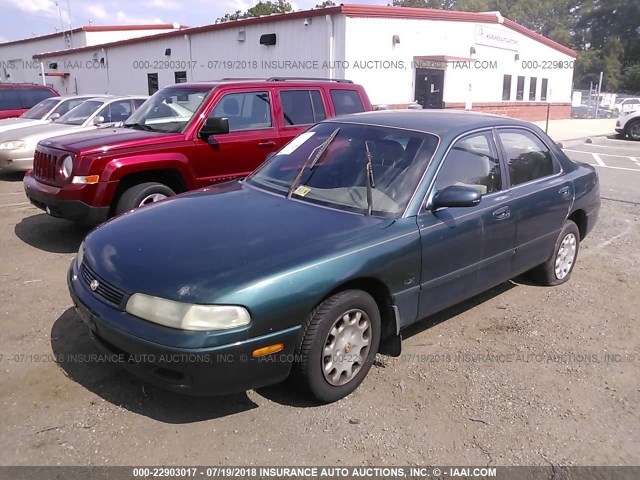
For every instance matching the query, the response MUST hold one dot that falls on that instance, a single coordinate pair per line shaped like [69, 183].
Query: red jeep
[17, 98]
[184, 137]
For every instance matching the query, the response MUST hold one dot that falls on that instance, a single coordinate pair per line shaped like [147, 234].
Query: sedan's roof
[439, 122]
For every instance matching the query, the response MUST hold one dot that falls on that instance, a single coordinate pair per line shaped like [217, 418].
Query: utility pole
[598, 96]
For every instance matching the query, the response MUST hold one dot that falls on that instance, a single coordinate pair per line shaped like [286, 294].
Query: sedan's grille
[45, 166]
[102, 289]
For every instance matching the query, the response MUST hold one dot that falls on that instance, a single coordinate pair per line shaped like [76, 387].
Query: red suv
[17, 98]
[185, 136]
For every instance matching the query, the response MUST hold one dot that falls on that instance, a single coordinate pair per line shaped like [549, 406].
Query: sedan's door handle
[267, 144]
[565, 192]
[502, 213]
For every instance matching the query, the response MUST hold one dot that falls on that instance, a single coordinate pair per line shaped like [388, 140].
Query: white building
[442, 59]
[17, 62]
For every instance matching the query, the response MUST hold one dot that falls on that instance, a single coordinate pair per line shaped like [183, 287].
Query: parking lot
[521, 375]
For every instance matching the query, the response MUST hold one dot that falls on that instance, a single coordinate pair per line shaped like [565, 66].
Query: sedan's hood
[13, 123]
[199, 246]
[109, 139]
[40, 132]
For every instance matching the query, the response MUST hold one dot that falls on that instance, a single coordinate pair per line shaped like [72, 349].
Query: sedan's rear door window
[527, 156]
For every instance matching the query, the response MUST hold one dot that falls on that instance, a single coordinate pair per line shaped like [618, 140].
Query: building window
[302, 107]
[520, 89]
[506, 87]
[152, 82]
[180, 77]
[543, 90]
[532, 89]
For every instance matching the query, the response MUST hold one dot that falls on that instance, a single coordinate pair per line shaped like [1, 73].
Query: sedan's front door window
[472, 162]
[528, 158]
[116, 111]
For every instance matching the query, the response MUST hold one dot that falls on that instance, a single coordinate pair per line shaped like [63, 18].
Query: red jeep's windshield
[168, 110]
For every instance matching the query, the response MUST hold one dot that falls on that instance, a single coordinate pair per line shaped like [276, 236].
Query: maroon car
[17, 98]
[185, 136]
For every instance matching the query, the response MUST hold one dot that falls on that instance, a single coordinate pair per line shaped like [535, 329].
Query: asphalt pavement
[618, 163]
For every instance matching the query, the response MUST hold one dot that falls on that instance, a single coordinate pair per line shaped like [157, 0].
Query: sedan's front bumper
[16, 165]
[218, 370]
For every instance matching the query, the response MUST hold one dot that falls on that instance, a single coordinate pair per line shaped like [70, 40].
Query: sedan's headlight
[187, 316]
[13, 145]
[66, 168]
[80, 255]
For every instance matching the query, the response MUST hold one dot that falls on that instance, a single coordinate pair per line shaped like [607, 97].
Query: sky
[23, 18]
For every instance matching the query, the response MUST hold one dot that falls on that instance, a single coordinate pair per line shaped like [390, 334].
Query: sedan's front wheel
[339, 345]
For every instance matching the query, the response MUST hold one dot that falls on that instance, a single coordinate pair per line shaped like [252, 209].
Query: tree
[325, 4]
[261, 8]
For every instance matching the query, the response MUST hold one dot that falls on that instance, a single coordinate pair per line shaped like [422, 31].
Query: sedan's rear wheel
[558, 268]
[338, 345]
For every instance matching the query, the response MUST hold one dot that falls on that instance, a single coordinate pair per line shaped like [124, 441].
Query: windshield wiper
[139, 126]
[370, 181]
[313, 158]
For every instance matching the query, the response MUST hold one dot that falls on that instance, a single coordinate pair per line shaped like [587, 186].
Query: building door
[152, 82]
[429, 83]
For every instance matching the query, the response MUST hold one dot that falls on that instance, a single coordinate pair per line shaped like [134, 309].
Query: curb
[572, 142]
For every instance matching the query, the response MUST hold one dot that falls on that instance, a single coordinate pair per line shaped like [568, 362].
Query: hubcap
[566, 255]
[154, 197]
[346, 347]
[635, 131]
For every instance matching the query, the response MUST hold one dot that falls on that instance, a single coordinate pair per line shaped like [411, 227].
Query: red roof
[368, 11]
[97, 28]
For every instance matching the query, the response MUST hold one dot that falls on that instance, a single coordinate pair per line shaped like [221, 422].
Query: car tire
[633, 130]
[142, 194]
[338, 345]
[558, 268]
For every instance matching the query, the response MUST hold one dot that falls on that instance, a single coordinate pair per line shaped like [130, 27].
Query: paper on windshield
[295, 143]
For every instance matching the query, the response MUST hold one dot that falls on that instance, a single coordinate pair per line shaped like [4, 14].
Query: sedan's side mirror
[98, 120]
[54, 116]
[456, 196]
[214, 126]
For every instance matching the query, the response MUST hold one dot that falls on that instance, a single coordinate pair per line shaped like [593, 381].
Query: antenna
[70, 27]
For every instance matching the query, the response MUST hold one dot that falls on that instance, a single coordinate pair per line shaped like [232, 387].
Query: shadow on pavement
[451, 312]
[73, 348]
[11, 176]
[51, 234]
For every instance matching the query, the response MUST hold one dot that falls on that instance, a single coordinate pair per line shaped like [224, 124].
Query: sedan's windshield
[39, 111]
[168, 110]
[362, 167]
[81, 113]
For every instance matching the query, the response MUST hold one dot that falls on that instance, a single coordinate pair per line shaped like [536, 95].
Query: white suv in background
[628, 124]
[627, 105]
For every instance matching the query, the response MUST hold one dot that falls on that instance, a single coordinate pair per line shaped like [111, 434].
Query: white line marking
[598, 160]
[603, 146]
[606, 243]
[635, 160]
[15, 204]
[600, 154]
[619, 168]
[14, 193]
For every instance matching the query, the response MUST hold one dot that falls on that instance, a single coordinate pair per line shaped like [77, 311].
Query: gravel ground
[521, 375]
